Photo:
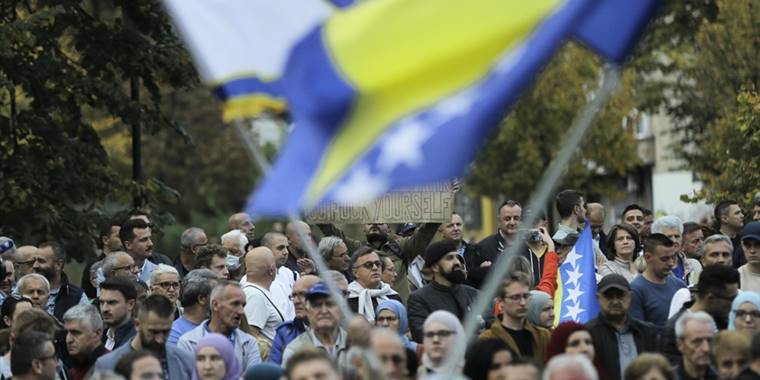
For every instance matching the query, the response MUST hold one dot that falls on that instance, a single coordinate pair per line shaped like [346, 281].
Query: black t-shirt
[524, 341]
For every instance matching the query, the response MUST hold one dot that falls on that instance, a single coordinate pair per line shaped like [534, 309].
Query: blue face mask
[233, 262]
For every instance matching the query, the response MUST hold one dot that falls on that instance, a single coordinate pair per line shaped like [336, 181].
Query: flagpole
[546, 186]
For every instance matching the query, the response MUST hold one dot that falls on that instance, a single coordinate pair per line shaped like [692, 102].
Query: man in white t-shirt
[750, 272]
[260, 310]
[282, 286]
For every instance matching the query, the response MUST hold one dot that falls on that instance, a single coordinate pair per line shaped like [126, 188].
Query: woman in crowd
[745, 313]
[488, 360]
[139, 365]
[541, 309]
[12, 306]
[215, 359]
[622, 243]
[392, 314]
[440, 332]
[649, 367]
[730, 351]
[573, 338]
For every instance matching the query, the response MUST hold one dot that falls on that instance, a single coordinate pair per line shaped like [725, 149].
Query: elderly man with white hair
[686, 269]
[165, 281]
[35, 287]
[694, 333]
[234, 242]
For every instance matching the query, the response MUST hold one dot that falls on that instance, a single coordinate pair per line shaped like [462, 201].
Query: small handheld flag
[575, 298]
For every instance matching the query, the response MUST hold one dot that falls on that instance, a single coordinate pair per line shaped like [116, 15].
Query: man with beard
[83, 327]
[618, 339]
[572, 212]
[227, 309]
[153, 326]
[401, 250]
[135, 236]
[446, 291]
[367, 289]
[718, 286]
[289, 330]
[63, 295]
[514, 329]
[117, 301]
[454, 230]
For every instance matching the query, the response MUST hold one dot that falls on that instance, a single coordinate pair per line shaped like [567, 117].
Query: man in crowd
[324, 330]
[227, 303]
[335, 253]
[298, 260]
[695, 332]
[153, 325]
[596, 215]
[692, 238]
[730, 220]
[289, 330]
[108, 241]
[214, 258]
[311, 364]
[617, 338]
[63, 294]
[401, 250]
[33, 357]
[718, 286]
[84, 327]
[655, 287]
[37, 288]
[155, 257]
[195, 293]
[234, 242]
[446, 291]
[135, 236]
[367, 289]
[24, 260]
[8, 282]
[717, 250]
[388, 348]
[510, 214]
[514, 329]
[282, 286]
[454, 230]
[260, 310]
[191, 240]
[753, 372]
[242, 221]
[572, 212]
[119, 264]
[117, 303]
[750, 272]
[686, 269]
[633, 215]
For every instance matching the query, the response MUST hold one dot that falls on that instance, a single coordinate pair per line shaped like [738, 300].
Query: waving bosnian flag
[390, 94]
[575, 298]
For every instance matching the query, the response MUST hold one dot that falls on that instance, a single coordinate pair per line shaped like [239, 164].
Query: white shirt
[750, 281]
[261, 311]
[281, 289]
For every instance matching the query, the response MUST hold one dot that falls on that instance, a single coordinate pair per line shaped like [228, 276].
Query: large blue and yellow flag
[575, 298]
[389, 94]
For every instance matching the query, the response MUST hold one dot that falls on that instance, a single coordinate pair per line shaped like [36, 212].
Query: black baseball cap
[751, 231]
[611, 281]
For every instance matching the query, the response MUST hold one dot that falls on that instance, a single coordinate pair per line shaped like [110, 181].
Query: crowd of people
[677, 300]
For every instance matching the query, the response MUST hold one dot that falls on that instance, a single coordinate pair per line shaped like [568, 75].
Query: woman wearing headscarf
[573, 338]
[215, 359]
[392, 314]
[541, 309]
[745, 313]
[440, 332]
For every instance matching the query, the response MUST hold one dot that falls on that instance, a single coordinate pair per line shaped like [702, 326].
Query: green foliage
[533, 133]
[63, 66]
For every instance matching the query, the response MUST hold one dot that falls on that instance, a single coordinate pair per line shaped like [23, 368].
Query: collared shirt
[333, 350]
[626, 348]
[110, 338]
[146, 270]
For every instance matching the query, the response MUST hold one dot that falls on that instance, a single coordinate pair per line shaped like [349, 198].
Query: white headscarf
[452, 322]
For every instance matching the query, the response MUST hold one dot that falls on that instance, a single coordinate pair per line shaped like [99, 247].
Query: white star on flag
[457, 105]
[403, 146]
[573, 294]
[572, 257]
[360, 187]
[573, 312]
[574, 276]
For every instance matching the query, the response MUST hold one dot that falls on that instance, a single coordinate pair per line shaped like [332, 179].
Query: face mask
[233, 262]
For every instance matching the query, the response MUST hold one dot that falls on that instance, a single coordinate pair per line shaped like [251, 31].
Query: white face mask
[233, 262]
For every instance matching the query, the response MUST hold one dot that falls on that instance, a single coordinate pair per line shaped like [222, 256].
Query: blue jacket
[123, 334]
[179, 362]
[286, 332]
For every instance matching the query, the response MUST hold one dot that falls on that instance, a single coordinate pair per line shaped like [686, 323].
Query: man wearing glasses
[24, 260]
[34, 357]
[446, 291]
[289, 330]
[368, 289]
[514, 329]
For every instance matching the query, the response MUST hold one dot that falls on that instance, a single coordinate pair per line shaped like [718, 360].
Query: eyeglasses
[395, 359]
[26, 263]
[386, 319]
[168, 285]
[131, 268]
[371, 264]
[741, 314]
[518, 297]
[441, 334]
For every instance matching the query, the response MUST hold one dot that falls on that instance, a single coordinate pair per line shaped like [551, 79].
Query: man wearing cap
[750, 272]
[446, 291]
[618, 339]
[324, 331]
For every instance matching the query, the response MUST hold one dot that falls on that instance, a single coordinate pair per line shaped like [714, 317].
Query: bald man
[595, 214]
[262, 313]
[298, 260]
[242, 221]
[389, 348]
[289, 330]
[24, 260]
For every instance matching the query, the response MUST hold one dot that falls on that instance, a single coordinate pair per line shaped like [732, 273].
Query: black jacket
[606, 343]
[124, 334]
[68, 296]
[472, 261]
[432, 297]
[492, 246]
[748, 374]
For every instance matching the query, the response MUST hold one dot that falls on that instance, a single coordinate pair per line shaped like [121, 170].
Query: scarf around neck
[365, 296]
